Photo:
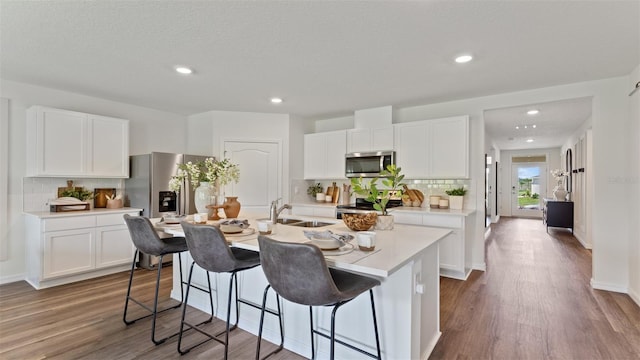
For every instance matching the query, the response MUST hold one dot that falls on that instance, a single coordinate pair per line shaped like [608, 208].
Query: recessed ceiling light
[464, 59]
[183, 70]
[525, 126]
[533, 126]
[517, 127]
[529, 140]
[533, 112]
[276, 100]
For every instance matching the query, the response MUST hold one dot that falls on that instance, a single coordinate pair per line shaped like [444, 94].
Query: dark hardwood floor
[533, 302]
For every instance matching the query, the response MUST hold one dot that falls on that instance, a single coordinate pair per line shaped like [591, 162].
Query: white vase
[204, 195]
[560, 193]
[456, 202]
[384, 222]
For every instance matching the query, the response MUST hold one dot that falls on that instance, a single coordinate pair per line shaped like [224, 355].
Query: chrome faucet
[275, 211]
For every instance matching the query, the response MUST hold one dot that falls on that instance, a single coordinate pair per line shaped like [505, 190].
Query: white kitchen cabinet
[64, 248]
[370, 139]
[324, 155]
[433, 149]
[455, 250]
[327, 211]
[62, 143]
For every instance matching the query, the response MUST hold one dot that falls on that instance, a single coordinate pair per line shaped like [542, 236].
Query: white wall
[150, 130]
[207, 132]
[633, 183]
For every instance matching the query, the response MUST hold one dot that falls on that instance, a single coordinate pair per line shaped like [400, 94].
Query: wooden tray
[69, 207]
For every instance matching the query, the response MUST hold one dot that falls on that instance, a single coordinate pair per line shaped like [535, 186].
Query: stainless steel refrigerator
[148, 188]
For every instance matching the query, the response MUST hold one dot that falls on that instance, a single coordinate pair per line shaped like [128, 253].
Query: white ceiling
[325, 58]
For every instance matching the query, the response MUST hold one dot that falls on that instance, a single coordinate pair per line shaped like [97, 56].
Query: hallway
[535, 302]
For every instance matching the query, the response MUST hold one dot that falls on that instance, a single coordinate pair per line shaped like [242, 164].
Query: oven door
[368, 164]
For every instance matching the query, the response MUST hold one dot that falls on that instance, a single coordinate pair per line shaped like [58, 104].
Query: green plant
[391, 179]
[314, 189]
[456, 192]
[78, 193]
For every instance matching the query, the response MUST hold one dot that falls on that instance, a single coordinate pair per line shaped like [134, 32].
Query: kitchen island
[405, 260]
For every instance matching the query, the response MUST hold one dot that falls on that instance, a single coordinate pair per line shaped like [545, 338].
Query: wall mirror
[569, 168]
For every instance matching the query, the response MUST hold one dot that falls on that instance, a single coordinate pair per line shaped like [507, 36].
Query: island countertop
[394, 248]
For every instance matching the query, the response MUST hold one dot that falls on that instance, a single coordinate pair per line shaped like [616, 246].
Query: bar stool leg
[313, 350]
[263, 309]
[126, 302]
[375, 324]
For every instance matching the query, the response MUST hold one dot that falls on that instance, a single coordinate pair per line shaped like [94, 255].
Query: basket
[360, 221]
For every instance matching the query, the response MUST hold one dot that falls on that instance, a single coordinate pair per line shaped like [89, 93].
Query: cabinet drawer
[454, 222]
[112, 219]
[68, 223]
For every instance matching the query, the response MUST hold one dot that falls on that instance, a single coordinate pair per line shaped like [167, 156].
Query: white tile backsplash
[38, 191]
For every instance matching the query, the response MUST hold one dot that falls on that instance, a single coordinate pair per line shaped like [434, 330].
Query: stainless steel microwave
[369, 164]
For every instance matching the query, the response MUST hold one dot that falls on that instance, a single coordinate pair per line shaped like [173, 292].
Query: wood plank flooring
[535, 302]
[84, 321]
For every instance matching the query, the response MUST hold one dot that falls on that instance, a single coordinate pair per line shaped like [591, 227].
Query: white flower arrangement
[217, 172]
[559, 175]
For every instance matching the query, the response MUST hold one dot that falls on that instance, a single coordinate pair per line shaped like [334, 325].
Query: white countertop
[394, 248]
[99, 211]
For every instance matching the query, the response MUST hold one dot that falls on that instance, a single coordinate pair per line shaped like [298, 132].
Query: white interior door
[528, 186]
[260, 172]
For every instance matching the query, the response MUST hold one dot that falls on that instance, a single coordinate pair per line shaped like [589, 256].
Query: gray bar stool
[211, 252]
[146, 240]
[299, 273]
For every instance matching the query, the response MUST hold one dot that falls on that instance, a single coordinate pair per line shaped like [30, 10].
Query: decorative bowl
[233, 226]
[360, 221]
[173, 218]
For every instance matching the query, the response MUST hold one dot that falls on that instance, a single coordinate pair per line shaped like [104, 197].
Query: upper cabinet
[370, 139]
[324, 155]
[62, 143]
[433, 149]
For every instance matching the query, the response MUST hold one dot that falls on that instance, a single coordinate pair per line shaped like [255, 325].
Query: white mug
[265, 227]
[366, 240]
[200, 218]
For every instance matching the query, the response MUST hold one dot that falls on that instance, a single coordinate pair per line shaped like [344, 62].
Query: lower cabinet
[70, 248]
[454, 249]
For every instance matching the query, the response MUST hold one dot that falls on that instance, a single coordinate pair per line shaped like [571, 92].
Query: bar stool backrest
[298, 272]
[144, 236]
[209, 248]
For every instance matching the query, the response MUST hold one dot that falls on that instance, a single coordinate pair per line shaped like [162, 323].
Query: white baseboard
[635, 296]
[479, 266]
[581, 241]
[487, 232]
[609, 287]
[11, 278]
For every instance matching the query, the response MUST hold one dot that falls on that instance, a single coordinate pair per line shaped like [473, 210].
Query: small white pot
[456, 202]
[384, 222]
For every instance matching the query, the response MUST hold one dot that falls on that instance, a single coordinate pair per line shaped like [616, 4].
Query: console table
[558, 214]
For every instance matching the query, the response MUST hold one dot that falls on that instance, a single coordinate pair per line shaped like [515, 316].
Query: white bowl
[326, 243]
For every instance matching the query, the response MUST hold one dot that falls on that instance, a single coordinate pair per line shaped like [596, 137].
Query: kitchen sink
[311, 224]
[288, 221]
[303, 223]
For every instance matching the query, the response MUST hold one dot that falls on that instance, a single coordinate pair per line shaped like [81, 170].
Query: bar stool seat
[146, 240]
[210, 251]
[299, 273]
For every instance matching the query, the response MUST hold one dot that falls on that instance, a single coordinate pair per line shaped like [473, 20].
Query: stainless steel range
[363, 206]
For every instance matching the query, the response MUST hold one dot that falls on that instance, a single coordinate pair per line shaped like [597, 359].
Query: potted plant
[314, 190]
[206, 177]
[392, 180]
[456, 198]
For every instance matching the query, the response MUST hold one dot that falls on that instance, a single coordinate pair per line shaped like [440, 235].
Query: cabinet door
[68, 252]
[315, 156]
[56, 142]
[113, 246]
[382, 138]
[449, 148]
[358, 140]
[109, 146]
[452, 252]
[336, 149]
[411, 149]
